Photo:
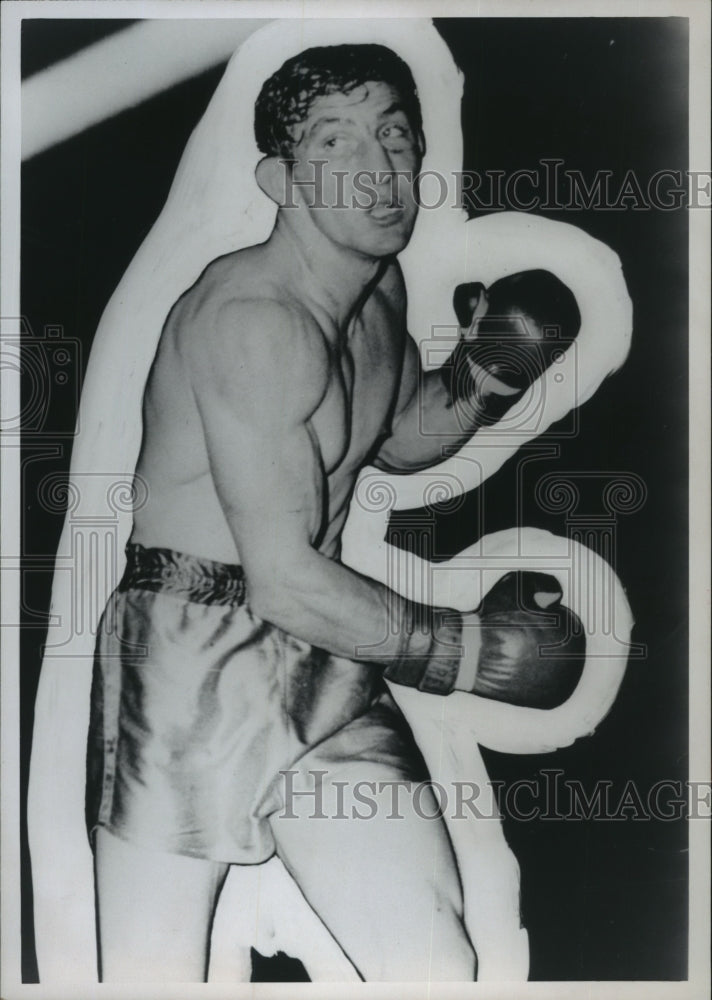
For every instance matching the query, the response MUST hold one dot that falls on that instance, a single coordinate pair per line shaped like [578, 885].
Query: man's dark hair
[287, 96]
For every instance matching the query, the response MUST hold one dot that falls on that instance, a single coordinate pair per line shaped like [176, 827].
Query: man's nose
[378, 162]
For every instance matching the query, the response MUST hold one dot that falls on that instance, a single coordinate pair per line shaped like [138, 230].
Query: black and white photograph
[355, 454]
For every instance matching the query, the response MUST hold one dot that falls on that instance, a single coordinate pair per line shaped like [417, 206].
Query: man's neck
[334, 279]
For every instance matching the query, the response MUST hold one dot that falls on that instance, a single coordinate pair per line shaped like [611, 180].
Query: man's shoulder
[237, 305]
[248, 335]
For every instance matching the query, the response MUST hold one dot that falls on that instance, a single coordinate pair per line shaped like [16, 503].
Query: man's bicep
[269, 483]
[256, 387]
[410, 380]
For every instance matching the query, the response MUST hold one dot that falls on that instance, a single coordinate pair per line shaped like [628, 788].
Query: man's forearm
[431, 423]
[334, 608]
[505, 656]
[454, 417]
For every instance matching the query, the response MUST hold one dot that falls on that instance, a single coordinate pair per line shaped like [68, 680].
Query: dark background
[601, 899]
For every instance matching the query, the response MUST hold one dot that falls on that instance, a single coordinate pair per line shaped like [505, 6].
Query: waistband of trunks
[198, 580]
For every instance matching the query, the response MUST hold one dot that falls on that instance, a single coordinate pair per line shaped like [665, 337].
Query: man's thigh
[376, 864]
[154, 911]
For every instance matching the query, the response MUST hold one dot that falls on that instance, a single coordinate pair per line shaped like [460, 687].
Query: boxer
[238, 646]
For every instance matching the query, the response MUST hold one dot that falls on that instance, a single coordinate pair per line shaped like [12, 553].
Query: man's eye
[390, 130]
[395, 134]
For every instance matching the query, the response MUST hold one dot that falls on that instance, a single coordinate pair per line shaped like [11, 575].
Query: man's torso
[183, 511]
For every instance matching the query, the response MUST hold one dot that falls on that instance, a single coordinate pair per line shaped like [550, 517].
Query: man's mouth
[387, 212]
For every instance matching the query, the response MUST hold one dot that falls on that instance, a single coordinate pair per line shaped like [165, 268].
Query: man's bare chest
[363, 385]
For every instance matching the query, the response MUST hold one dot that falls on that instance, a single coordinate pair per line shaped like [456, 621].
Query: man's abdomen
[186, 517]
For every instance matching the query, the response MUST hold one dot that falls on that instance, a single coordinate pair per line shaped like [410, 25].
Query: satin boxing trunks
[197, 705]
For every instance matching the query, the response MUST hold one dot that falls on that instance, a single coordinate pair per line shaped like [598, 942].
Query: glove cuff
[434, 671]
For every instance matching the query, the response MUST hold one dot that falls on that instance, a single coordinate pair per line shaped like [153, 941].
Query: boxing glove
[532, 650]
[514, 332]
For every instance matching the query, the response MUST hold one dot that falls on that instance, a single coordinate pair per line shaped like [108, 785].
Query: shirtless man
[238, 639]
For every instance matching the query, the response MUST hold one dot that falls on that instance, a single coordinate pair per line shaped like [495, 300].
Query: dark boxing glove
[530, 317]
[531, 655]
[532, 648]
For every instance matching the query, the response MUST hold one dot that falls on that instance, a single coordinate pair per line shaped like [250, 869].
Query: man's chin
[388, 240]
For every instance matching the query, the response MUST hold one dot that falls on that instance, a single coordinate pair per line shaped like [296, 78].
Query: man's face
[361, 202]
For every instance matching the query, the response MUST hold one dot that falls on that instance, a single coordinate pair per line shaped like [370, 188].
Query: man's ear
[421, 144]
[271, 175]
